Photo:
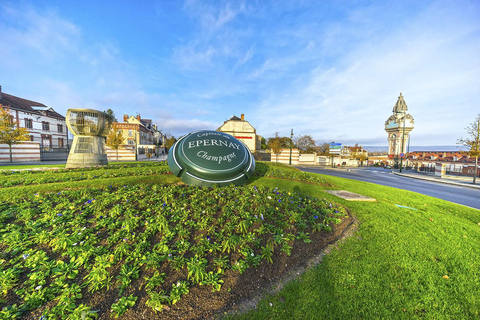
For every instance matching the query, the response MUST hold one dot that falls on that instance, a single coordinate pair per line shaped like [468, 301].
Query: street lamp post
[136, 145]
[403, 141]
[291, 144]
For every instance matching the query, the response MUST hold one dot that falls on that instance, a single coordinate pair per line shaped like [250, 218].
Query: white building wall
[22, 151]
[37, 127]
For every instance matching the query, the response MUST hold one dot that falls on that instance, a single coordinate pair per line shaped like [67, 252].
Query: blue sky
[331, 69]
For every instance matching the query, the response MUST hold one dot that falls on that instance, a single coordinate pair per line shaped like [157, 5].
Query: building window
[59, 128]
[28, 123]
[130, 142]
[60, 141]
[45, 126]
[46, 142]
[31, 138]
[130, 133]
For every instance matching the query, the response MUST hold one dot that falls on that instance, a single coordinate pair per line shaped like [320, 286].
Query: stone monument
[207, 158]
[90, 128]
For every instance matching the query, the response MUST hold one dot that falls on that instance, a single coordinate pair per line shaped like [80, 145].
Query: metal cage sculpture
[90, 128]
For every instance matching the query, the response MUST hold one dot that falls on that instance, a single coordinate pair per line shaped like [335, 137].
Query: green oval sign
[206, 158]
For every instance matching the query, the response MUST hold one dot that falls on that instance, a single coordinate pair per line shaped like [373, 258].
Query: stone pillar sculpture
[90, 128]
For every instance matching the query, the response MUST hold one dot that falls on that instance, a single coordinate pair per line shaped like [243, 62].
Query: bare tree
[305, 144]
[473, 142]
[323, 149]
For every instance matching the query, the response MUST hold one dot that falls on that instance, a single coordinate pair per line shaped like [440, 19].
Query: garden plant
[131, 241]
[125, 240]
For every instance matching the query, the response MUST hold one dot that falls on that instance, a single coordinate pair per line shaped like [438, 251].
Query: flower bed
[81, 253]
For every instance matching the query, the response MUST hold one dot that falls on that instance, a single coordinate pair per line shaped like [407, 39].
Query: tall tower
[398, 127]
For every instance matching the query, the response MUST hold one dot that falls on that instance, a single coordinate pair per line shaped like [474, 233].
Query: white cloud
[213, 17]
[326, 69]
[432, 60]
[27, 33]
[194, 56]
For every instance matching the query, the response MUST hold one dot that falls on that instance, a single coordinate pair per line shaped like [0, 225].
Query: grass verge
[401, 263]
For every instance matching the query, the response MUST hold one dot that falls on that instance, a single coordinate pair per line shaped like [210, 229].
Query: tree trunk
[10, 149]
[117, 153]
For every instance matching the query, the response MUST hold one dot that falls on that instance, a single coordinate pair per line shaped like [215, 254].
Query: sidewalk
[448, 179]
[162, 157]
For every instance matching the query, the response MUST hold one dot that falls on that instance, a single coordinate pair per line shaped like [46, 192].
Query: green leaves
[164, 238]
[196, 269]
[123, 304]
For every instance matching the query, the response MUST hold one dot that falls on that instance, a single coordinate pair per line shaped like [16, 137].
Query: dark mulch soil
[240, 292]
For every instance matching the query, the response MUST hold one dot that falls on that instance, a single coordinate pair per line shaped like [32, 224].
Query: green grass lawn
[400, 264]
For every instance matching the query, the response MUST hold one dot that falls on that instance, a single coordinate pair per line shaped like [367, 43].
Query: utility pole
[291, 145]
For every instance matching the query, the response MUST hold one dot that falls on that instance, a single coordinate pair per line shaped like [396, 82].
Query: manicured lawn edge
[400, 264]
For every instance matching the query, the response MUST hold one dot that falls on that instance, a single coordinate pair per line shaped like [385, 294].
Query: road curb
[437, 180]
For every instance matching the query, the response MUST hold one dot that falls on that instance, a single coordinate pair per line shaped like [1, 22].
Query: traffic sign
[335, 148]
[402, 155]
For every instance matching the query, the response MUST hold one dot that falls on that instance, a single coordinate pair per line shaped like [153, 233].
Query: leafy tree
[9, 132]
[306, 144]
[283, 141]
[115, 138]
[473, 142]
[275, 145]
[362, 157]
[110, 112]
[169, 140]
[263, 144]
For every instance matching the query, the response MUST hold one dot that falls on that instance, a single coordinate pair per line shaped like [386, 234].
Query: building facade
[455, 162]
[140, 135]
[243, 131]
[398, 127]
[45, 125]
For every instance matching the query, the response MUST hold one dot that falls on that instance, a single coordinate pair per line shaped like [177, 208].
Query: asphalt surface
[456, 193]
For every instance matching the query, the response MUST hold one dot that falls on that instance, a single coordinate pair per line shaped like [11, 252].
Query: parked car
[387, 167]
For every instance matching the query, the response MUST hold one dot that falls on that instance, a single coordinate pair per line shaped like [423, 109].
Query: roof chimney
[242, 117]
[125, 117]
[138, 117]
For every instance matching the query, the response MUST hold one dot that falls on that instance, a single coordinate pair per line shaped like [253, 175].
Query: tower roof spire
[400, 106]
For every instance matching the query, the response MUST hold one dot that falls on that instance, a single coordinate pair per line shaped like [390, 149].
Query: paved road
[462, 195]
